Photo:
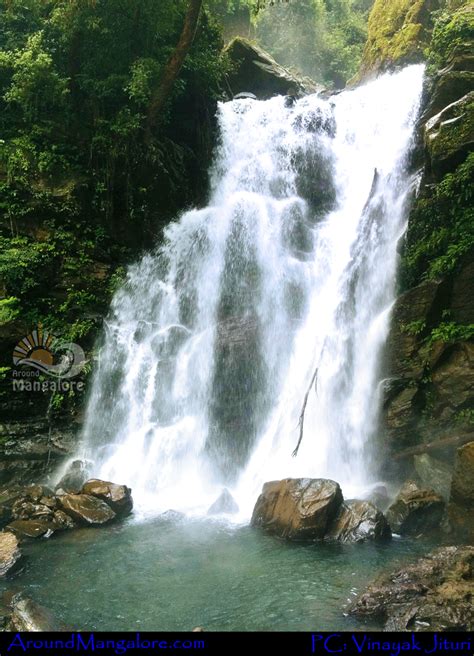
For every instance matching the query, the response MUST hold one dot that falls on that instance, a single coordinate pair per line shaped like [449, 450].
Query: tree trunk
[174, 65]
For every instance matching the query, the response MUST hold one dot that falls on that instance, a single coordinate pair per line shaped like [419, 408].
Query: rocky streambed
[431, 593]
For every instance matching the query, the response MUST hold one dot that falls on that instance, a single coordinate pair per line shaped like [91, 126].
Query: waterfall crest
[212, 342]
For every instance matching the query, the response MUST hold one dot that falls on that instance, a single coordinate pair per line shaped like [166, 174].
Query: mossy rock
[398, 33]
[449, 136]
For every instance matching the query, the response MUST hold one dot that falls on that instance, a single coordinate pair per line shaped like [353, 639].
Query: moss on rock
[399, 31]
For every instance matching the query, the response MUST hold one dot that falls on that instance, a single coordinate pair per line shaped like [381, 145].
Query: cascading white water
[212, 342]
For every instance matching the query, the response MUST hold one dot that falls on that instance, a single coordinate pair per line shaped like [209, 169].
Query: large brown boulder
[255, 71]
[10, 552]
[87, 510]
[359, 521]
[118, 497]
[432, 594]
[31, 528]
[297, 508]
[461, 505]
[415, 510]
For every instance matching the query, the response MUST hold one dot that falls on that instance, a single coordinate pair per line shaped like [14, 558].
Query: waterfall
[211, 343]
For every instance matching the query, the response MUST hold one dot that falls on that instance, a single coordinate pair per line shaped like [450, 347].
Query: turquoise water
[174, 575]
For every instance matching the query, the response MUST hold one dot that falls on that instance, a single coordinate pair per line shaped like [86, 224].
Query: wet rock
[35, 492]
[432, 594]
[358, 521]
[118, 497]
[433, 474]
[225, 503]
[32, 448]
[462, 488]
[255, 71]
[10, 553]
[27, 615]
[449, 136]
[297, 509]
[63, 522]
[415, 510]
[8, 496]
[31, 528]
[461, 505]
[23, 509]
[86, 509]
[379, 496]
[73, 479]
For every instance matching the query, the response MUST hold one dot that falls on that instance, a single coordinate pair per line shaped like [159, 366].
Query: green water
[168, 575]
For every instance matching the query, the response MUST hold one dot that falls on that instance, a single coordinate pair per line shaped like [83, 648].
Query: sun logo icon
[36, 350]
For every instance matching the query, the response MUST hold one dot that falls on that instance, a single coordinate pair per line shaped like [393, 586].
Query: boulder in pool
[10, 553]
[416, 510]
[359, 521]
[297, 508]
[118, 497]
[31, 528]
[87, 510]
[28, 616]
[224, 504]
[74, 478]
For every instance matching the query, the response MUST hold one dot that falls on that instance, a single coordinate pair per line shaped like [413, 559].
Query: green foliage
[81, 190]
[323, 38]
[453, 31]
[465, 417]
[414, 327]
[398, 33]
[9, 309]
[441, 229]
[452, 332]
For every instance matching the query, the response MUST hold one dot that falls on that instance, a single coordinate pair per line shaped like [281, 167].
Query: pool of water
[174, 575]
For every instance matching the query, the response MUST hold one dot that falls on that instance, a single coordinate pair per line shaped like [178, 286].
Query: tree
[174, 64]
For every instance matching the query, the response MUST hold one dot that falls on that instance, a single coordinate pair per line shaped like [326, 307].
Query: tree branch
[314, 380]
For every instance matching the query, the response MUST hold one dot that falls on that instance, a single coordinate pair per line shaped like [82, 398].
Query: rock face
[224, 504]
[298, 508]
[398, 32]
[415, 510]
[118, 497]
[29, 447]
[434, 474]
[10, 553]
[433, 594]
[430, 354]
[255, 71]
[449, 136]
[87, 510]
[461, 505]
[359, 521]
